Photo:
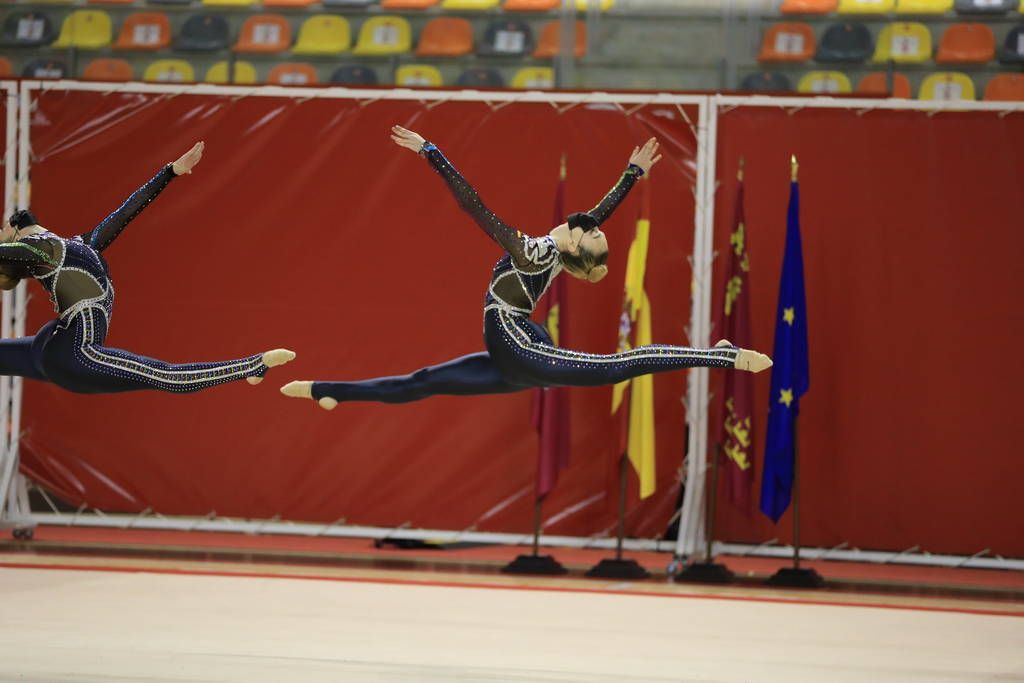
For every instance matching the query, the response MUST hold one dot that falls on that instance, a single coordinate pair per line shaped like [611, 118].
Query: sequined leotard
[68, 351]
[520, 353]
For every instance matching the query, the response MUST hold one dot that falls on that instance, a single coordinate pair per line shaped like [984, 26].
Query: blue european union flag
[790, 376]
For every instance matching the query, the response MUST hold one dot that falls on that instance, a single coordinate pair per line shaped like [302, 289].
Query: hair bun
[582, 220]
[597, 273]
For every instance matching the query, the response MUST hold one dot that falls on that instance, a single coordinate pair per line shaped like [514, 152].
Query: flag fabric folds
[790, 373]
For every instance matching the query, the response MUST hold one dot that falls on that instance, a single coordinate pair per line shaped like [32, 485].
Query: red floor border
[498, 586]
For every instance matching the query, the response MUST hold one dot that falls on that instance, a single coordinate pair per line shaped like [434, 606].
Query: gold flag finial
[739, 173]
[794, 167]
[561, 172]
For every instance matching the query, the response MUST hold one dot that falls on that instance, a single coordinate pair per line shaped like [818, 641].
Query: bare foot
[301, 389]
[723, 342]
[271, 359]
[752, 361]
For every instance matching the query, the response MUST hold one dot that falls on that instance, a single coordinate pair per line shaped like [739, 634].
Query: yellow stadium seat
[825, 83]
[866, 6]
[386, 35]
[947, 86]
[170, 71]
[418, 76]
[923, 6]
[603, 5]
[323, 34]
[89, 29]
[469, 4]
[229, 3]
[534, 78]
[904, 43]
[244, 73]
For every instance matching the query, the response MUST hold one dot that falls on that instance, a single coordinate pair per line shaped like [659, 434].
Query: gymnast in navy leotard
[520, 354]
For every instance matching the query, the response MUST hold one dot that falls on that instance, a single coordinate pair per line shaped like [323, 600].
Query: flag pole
[617, 567]
[796, 576]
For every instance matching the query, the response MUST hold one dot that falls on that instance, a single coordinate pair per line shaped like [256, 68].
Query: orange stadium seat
[1005, 88]
[876, 83]
[789, 42]
[144, 31]
[6, 70]
[971, 43]
[550, 41]
[809, 6]
[264, 33]
[446, 37]
[292, 73]
[108, 70]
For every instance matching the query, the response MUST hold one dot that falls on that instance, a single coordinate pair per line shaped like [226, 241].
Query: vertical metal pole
[796, 492]
[712, 504]
[623, 476]
[567, 45]
[536, 526]
[7, 307]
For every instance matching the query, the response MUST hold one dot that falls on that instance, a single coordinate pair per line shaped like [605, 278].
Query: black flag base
[796, 577]
[612, 568]
[706, 572]
[534, 564]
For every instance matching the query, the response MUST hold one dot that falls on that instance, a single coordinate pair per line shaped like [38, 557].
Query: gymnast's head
[19, 220]
[583, 247]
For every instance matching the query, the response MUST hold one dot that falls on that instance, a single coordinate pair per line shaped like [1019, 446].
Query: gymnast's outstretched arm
[640, 162]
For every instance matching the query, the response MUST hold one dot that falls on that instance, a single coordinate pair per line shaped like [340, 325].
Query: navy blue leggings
[70, 354]
[521, 355]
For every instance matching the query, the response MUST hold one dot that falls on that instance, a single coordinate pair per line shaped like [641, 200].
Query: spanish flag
[636, 322]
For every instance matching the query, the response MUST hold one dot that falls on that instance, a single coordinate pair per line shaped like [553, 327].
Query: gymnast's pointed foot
[751, 361]
[272, 359]
[299, 389]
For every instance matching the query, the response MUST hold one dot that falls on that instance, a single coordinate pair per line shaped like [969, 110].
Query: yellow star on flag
[786, 397]
[789, 315]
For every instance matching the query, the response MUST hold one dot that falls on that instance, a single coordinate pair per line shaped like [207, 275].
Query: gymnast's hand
[407, 138]
[189, 159]
[647, 156]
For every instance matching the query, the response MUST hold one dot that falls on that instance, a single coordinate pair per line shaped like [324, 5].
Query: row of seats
[903, 42]
[454, 5]
[946, 86]
[990, 7]
[292, 73]
[325, 34]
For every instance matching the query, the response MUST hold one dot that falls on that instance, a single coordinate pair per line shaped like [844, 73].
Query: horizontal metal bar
[891, 104]
[873, 556]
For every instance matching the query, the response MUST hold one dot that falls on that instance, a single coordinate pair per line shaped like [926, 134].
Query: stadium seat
[866, 6]
[877, 83]
[386, 35]
[351, 4]
[789, 42]
[170, 71]
[108, 70]
[480, 77]
[203, 32]
[228, 3]
[825, 83]
[323, 34]
[1005, 88]
[27, 29]
[985, 6]
[144, 31]
[966, 44]
[550, 41]
[111, 2]
[354, 75]
[507, 38]
[292, 73]
[469, 4]
[264, 34]
[87, 29]
[6, 70]
[846, 43]
[170, 2]
[1012, 51]
[531, 5]
[289, 3]
[809, 6]
[947, 86]
[904, 43]
[418, 76]
[45, 68]
[766, 82]
[446, 37]
[534, 78]
[923, 6]
[408, 4]
[243, 73]
[603, 5]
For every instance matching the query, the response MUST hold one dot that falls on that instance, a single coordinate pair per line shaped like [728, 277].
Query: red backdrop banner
[912, 244]
[305, 227]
